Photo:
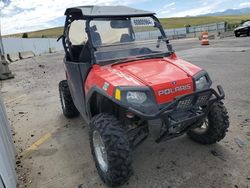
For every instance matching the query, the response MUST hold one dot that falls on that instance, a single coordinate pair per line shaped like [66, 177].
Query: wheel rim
[62, 100]
[203, 128]
[100, 151]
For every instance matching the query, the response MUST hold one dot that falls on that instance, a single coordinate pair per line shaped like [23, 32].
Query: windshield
[127, 38]
[246, 24]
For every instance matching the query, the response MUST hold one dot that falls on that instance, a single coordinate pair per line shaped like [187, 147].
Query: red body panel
[160, 74]
[101, 74]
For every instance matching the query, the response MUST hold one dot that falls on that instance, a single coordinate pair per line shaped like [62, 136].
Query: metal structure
[7, 154]
[187, 32]
[37, 45]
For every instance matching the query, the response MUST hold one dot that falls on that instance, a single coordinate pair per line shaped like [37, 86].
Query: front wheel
[214, 127]
[110, 149]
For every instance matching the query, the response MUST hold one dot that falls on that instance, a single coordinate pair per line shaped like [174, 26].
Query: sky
[18, 16]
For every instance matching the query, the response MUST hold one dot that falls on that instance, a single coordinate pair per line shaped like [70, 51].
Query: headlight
[136, 97]
[201, 83]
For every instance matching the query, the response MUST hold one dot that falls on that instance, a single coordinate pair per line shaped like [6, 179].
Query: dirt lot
[54, 151]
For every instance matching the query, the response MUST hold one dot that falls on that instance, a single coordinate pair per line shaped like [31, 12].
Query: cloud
[165, 11]
[4, 3]
[169, 5]
[19, 16]
[202, 7]
[205, 3]
[193, 12]
[245, 4]
[28, 15]
[167, 8]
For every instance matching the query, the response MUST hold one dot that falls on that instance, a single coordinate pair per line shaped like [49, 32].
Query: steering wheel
[145, 51]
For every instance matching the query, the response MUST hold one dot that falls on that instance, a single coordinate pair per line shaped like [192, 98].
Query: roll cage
[96, 13]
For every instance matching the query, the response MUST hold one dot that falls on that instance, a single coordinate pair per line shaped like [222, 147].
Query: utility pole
[5, 72]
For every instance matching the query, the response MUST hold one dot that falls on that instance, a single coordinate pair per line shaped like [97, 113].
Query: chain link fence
[186, 32]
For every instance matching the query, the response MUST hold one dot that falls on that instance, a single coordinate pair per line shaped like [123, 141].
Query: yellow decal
[118, 94]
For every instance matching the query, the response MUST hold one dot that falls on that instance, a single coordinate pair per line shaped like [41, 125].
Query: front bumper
[241, 31]
[181, 111]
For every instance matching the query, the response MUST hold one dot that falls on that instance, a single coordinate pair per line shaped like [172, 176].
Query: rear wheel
[68, 107]
[110, 149]
[213, 128]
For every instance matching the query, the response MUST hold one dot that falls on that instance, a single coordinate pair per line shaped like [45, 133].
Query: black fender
[96, 90]
[148, 107]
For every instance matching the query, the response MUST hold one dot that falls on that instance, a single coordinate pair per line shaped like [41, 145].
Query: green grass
[167, 23]
[46, 33]
[181, 22]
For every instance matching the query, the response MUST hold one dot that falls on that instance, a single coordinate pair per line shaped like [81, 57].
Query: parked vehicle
[118, 81]
[244, 29]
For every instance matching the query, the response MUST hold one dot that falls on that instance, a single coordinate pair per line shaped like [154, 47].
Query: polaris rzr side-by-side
[121, 71]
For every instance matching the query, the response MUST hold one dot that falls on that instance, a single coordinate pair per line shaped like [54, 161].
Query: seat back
[125, 38]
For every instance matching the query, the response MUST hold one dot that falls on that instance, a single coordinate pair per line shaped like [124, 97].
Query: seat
[96, 38]
[85, 55]
[125, 38]
[76, 51]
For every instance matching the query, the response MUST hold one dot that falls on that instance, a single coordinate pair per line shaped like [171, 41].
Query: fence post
[1, 182]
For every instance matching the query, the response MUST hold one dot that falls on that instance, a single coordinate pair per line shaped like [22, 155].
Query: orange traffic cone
[204, 40]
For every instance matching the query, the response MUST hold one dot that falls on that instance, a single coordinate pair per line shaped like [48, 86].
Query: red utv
[121, 71]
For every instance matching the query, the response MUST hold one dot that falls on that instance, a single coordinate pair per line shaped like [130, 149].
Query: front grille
[203, 99]
[185, 103]
[193, 101]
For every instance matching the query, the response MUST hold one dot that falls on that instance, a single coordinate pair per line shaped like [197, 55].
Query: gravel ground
[64, 159]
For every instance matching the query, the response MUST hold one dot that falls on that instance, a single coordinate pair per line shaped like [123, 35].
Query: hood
[238, 28]
[168, 77]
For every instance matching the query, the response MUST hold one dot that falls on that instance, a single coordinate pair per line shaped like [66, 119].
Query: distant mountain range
[230, 12]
